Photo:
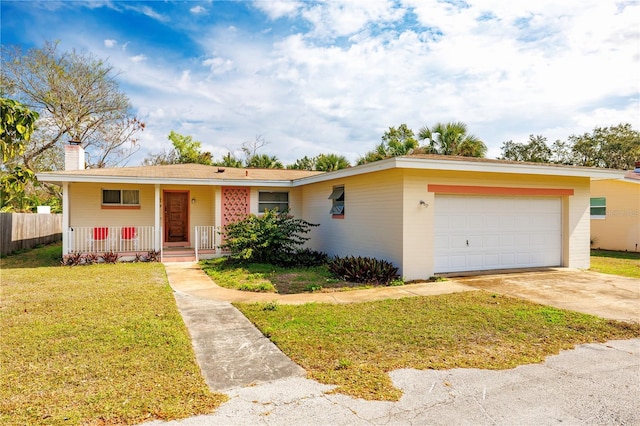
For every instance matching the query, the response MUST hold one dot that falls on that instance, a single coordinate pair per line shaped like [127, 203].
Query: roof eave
[467, 166]
[75, 178]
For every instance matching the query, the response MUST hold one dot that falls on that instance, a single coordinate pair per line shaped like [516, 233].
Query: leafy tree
[535, 151]
[12, 189]
[263, 161]
[331, 162]
[78, 98]
[561, 153]
[451, 139]
[395, 142]
[185, 151]
[273, 237]
[18, 124]
[188, 151]
[616, 147]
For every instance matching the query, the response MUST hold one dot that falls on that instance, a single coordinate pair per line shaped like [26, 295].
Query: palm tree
[263, 161]
[451, 139]
[229, 161]
[331, 162]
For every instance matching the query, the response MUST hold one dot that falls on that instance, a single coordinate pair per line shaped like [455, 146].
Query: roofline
[75, 178]
[404, 162]
[462, 165]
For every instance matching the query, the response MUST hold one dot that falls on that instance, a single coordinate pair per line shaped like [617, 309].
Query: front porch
[129, 241]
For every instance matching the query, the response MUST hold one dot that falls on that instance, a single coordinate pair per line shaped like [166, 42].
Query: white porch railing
[101, 239]
[206, 238]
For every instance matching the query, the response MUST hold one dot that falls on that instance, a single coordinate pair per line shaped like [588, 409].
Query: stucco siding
[577, 253]
[372, 223]
[417, 227]
[85, 206]
[620, 229]
[384, 217]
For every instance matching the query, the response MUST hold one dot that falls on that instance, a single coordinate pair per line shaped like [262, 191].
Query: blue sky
[315, 77]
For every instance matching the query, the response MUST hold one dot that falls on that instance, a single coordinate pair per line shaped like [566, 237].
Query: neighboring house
[615, 212]
[426, 214]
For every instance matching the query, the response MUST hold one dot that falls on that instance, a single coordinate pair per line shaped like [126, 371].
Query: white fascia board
[160, 181]
[465, 166]
[511, 168]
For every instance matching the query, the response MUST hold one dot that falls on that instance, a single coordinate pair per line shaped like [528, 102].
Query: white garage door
[474, 233]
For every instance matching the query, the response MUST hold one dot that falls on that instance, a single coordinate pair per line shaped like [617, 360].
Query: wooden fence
[22, 231]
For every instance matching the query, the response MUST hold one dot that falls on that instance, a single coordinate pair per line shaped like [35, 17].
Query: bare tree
[78, 98]
[250, 148]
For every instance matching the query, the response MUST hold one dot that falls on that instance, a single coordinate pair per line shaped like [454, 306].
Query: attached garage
[475, 232]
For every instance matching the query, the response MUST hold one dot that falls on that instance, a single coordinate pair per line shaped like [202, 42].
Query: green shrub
[274, 237]
[366, 270]
[305, 258]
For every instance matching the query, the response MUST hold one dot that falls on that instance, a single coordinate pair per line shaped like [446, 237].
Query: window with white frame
[273, 200]
[337, 201]
[120, 197]
[598, 208]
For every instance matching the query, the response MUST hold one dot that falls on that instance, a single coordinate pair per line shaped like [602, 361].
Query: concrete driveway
[607, 296]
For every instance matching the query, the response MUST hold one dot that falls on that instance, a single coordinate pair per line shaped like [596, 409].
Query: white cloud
[110, 43]
[138, 58]
[342, 18]
[145, 10]
[197, 10]
[278, 9]
[507, 69]
[218, 65]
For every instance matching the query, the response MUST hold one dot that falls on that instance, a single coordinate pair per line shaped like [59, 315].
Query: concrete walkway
[190, 278]
[232, 352]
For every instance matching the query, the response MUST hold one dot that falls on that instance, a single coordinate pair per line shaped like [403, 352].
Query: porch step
[173, 258]
[186, 255]
[178, 255]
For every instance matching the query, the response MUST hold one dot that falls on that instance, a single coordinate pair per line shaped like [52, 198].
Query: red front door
[176, 218]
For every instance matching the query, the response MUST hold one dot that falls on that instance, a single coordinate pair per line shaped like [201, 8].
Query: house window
[120, 197]
[337, 199]
[272, 201]
[598, 208]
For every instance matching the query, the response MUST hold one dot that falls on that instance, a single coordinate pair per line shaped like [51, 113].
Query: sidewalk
[233, 353]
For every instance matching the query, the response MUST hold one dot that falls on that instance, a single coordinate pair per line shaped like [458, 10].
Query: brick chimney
[73, 156]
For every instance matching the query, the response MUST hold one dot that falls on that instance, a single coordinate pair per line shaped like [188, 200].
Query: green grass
[99, 344]
[355, 346]
[262, 277]
[626, 264]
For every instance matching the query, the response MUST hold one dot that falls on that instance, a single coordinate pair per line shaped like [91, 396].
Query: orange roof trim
[498, 190]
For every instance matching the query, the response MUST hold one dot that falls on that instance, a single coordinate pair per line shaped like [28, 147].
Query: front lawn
[626, 264]
[99, 344]
[264, 277]
[354, 346]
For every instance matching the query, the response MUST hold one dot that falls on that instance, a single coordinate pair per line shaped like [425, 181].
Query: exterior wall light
[423, 203]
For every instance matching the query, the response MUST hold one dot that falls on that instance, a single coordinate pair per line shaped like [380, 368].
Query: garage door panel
[491, 241]
[481, 233]
[522, 240]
